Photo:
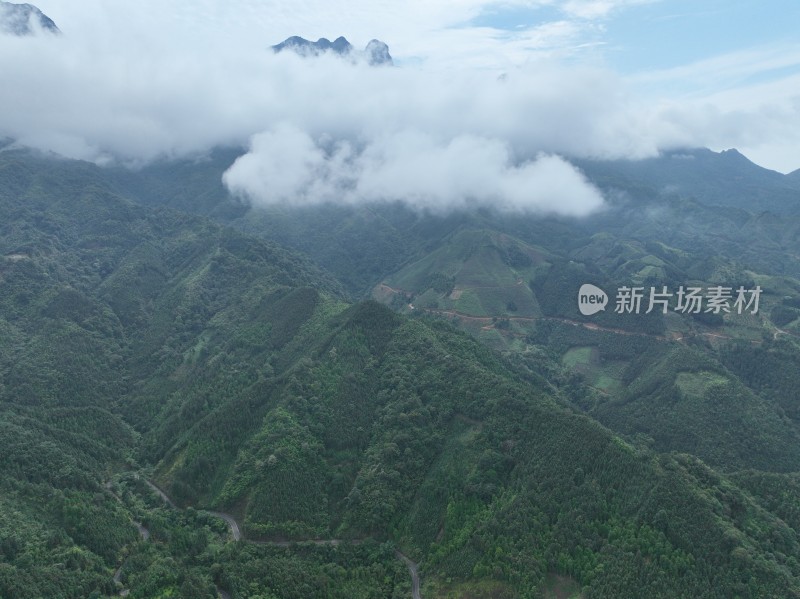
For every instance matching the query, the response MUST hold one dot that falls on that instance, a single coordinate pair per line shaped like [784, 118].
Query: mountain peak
[16, 19]
[734, 154]
[376, 52]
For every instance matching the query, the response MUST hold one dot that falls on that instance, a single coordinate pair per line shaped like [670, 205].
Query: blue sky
[750, 42]
[638, 74]
[659, 34]
[668, 34]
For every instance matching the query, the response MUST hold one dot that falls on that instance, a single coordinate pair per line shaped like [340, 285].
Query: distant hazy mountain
[376, 52]
[15, 19]
[305, 47]
[715, 178]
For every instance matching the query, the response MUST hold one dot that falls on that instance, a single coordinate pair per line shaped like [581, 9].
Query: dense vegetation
[141, 346]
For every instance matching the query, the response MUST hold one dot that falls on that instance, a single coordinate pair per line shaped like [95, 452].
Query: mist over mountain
[16, 19]
[280, 323]
[333, 130]
[724, 178]
[376, 52]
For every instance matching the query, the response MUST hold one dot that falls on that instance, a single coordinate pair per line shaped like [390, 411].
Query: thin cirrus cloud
[471, 116]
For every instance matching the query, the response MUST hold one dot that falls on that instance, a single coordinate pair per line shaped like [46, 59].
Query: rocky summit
[17, 19]
[376, 52]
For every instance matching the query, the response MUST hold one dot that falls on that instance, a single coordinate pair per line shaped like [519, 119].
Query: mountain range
[499, 441]
[376, 52]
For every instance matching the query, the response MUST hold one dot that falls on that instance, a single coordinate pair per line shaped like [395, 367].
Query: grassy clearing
[578, 358]
[697, 383]
[470, 303]
[605, 376]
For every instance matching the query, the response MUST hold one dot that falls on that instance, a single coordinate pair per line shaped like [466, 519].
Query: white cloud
[147, 101]
[286, 166]
[138, 81]
[744, 99]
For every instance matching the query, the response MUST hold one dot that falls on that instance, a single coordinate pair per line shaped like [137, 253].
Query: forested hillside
[143, 348]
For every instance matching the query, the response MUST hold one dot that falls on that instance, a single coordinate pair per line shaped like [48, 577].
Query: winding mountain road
[236, 533]
[413, 569]
[161, 494]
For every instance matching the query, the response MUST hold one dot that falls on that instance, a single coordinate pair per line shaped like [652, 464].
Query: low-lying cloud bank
[328, 130]
[286, 166]
[324, 129]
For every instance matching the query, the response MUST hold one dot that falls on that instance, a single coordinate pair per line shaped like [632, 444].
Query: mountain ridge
[726, 178]
[140, 343]
[376, 52]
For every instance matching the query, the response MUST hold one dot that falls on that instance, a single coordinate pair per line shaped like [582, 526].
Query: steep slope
[405, 430]
[16, 19]
[725, 178]
[464, 268]
[704, 212]
[98, 294]
[473, 272]
[357, 246]
[661, 376]
[136, 338]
